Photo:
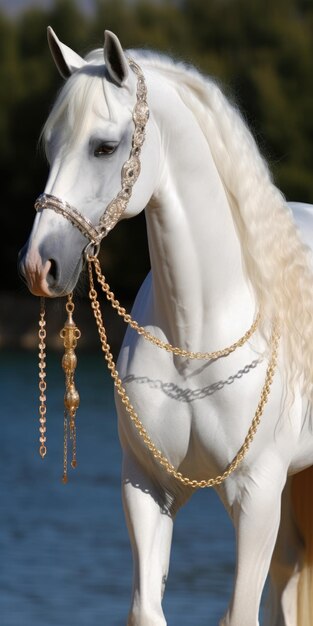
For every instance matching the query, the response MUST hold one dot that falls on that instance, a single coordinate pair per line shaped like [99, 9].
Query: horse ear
[66, 60]
[115, 59]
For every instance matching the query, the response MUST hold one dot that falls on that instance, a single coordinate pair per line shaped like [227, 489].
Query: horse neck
[199, 284]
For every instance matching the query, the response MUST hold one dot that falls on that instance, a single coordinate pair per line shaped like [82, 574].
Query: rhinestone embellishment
[129, 175]
[131, 168]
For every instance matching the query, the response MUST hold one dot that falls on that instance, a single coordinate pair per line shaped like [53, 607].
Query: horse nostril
[53, 272]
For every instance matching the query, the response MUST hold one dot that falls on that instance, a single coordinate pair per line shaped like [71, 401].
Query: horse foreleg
[150, 529]
[256, 515]
[281, 608]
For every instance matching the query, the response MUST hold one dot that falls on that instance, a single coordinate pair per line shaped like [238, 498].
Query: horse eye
[104, 149]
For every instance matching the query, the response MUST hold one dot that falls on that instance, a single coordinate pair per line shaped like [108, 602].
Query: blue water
[64, 551]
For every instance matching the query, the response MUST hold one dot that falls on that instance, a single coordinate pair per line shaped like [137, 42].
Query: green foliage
[262, 51]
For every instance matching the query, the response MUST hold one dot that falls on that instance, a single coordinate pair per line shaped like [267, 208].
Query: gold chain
[42, 383]
[209, 356]
[157, 454]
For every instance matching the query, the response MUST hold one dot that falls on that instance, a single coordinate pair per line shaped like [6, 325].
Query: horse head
[94, 141]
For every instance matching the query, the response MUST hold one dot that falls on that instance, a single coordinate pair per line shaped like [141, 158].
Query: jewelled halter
[129, 174]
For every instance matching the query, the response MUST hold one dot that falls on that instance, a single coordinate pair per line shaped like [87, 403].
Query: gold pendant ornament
[70, 334]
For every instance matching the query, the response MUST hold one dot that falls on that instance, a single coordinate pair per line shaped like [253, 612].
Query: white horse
[224, 247]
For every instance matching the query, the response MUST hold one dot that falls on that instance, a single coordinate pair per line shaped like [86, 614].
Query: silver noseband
[129, 175]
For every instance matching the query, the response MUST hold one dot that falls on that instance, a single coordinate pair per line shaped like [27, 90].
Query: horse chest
[192, 419]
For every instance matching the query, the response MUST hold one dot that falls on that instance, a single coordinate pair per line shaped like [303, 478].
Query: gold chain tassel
[42, 382]
[70, 334]
[64, 478]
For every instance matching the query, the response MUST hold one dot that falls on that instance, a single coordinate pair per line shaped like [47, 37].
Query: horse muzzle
[40, 276]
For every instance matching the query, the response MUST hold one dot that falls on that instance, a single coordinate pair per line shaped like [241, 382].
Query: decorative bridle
[129, 175]
[70, 333]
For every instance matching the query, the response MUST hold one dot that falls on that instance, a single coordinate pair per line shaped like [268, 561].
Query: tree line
[261, 52]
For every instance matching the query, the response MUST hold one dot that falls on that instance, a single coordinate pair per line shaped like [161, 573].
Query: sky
[14, 7]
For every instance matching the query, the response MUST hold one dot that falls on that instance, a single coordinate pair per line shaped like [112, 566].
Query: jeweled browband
[129, 174]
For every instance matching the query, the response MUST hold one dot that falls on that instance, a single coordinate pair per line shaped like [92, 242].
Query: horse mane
[277, 263]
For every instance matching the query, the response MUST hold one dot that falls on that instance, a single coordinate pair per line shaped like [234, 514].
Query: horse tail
[302, 504]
